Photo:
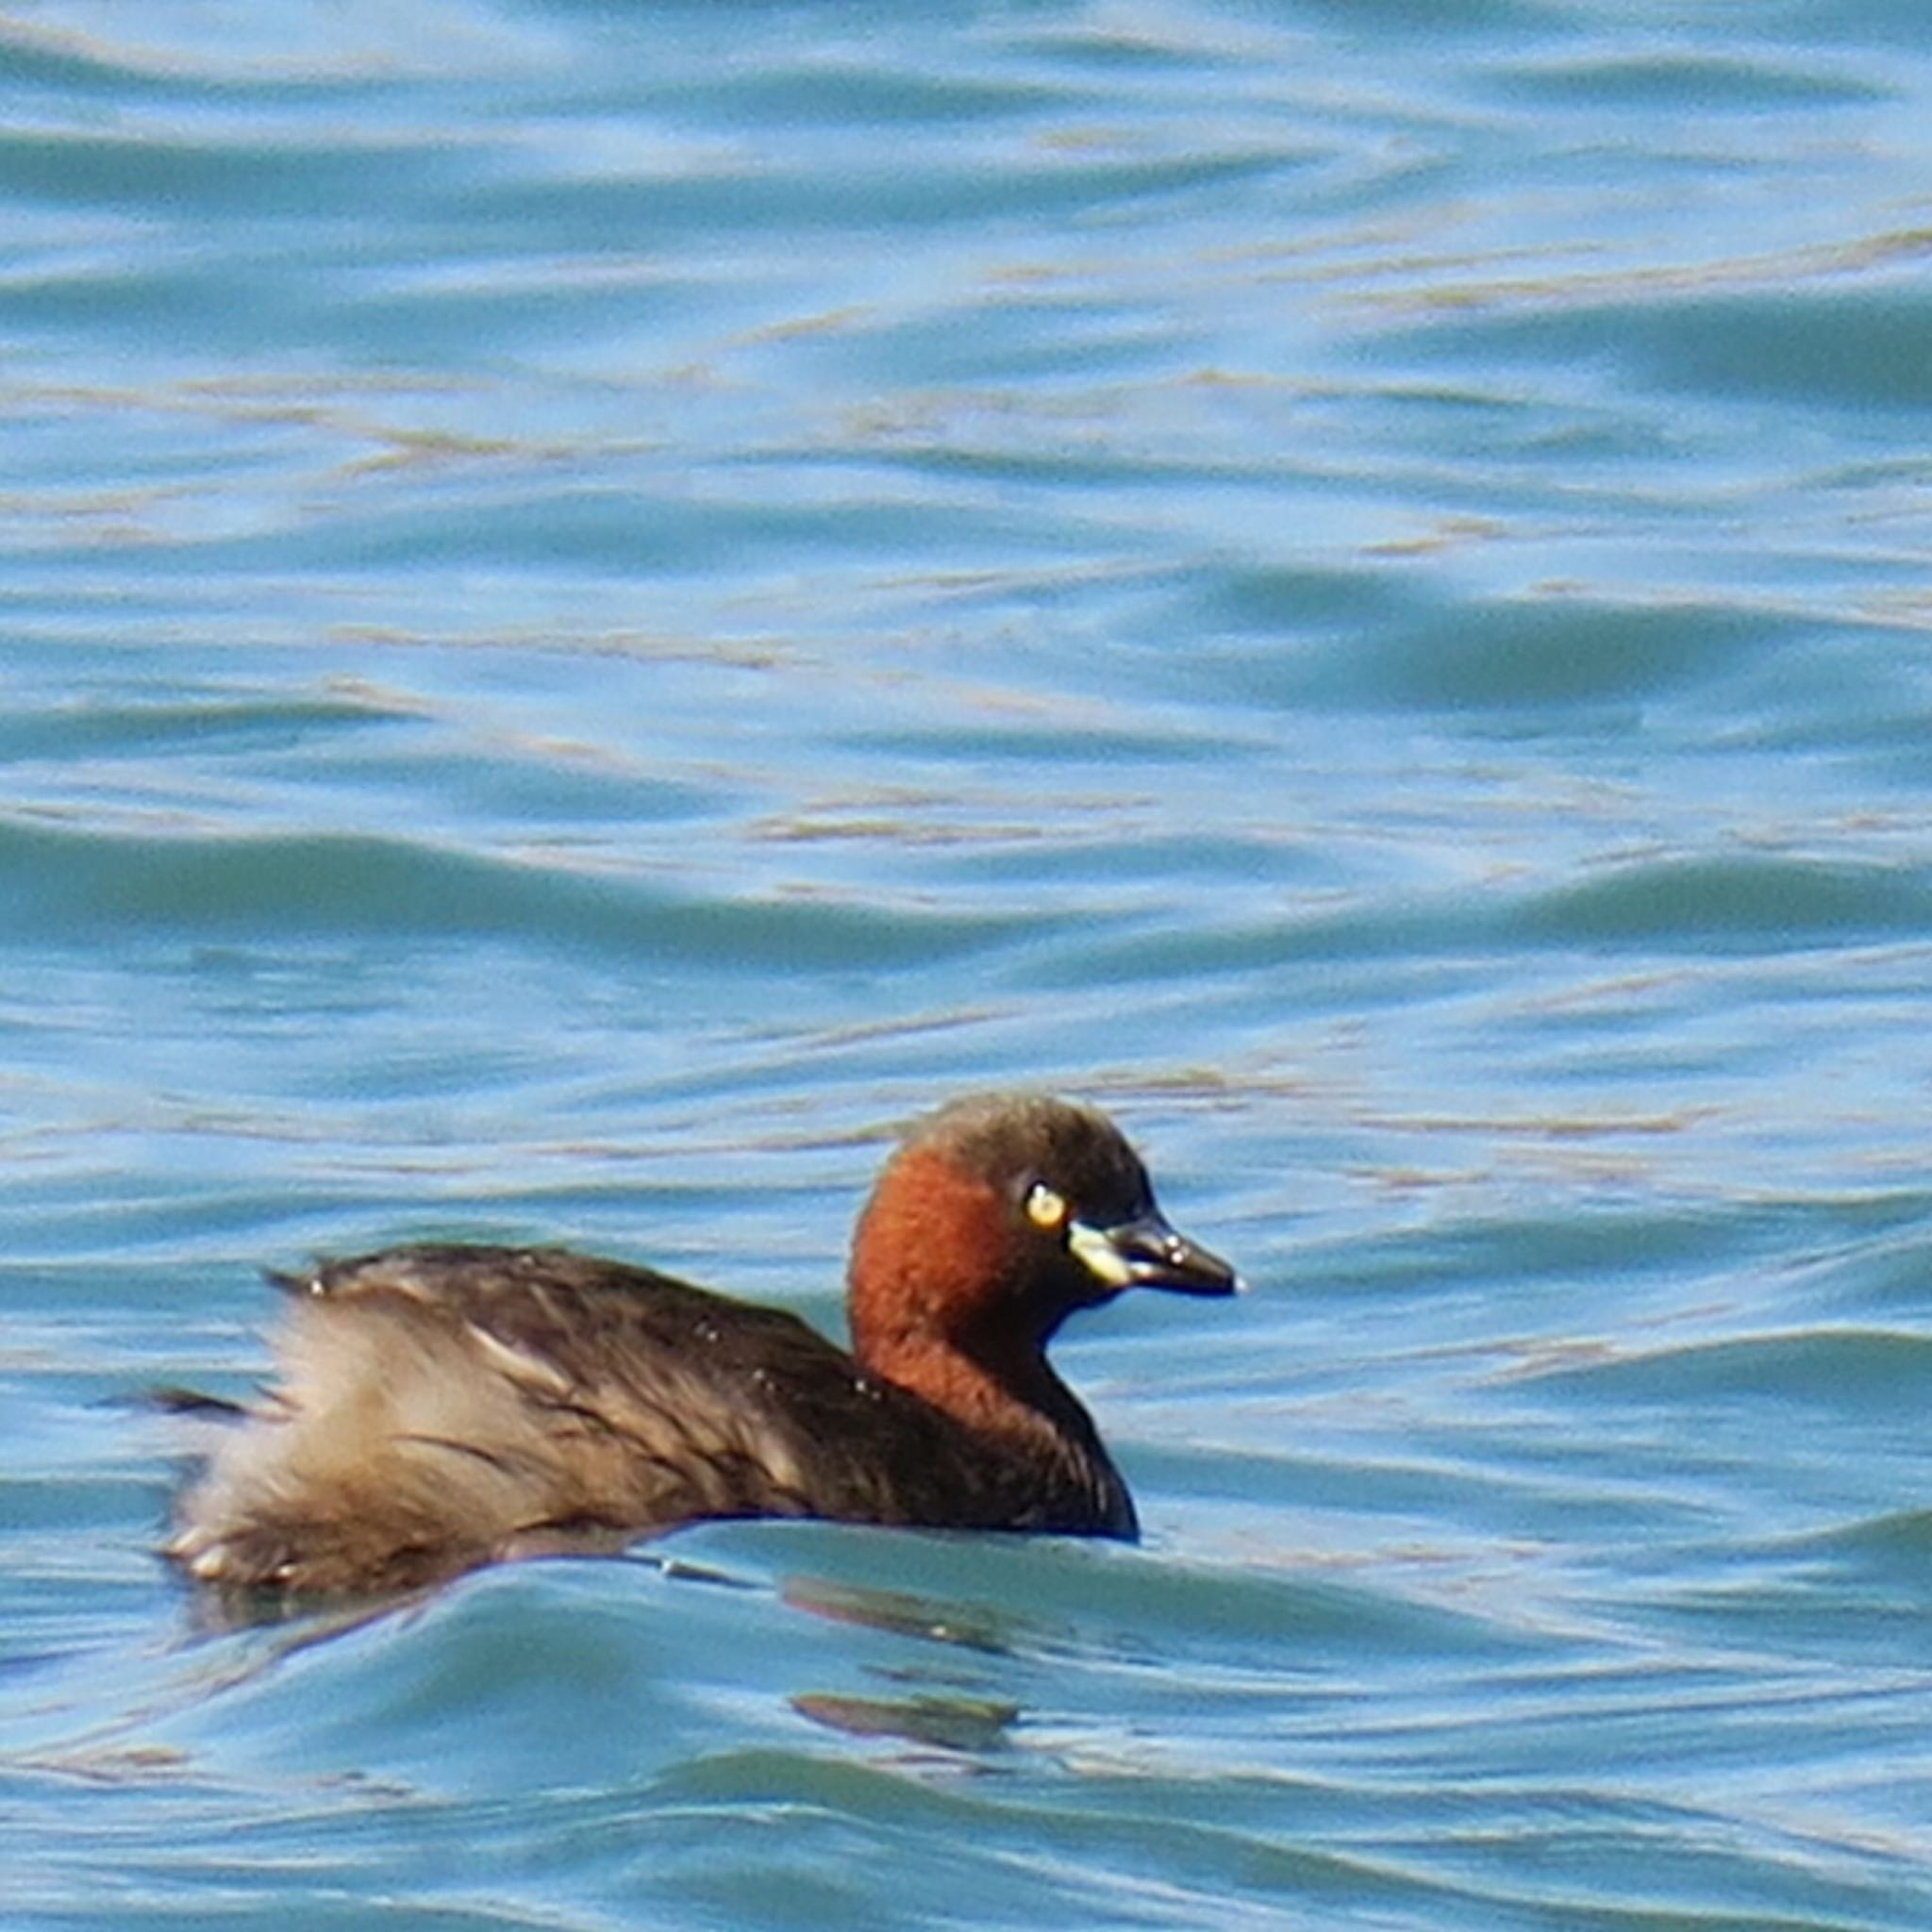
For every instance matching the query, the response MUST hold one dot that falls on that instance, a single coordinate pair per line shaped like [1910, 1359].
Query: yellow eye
[1044, 1209]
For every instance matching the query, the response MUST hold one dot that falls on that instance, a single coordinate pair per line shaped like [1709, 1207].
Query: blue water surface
[599, 601]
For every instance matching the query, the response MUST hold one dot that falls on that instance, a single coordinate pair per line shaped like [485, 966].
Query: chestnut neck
[938, 1303]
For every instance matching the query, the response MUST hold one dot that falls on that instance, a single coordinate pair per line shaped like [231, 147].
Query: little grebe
[444, 1407]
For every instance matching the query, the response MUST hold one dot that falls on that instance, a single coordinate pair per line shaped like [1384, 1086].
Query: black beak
[1146, 1253]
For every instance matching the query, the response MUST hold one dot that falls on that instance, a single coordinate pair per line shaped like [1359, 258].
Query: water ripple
[603, 603]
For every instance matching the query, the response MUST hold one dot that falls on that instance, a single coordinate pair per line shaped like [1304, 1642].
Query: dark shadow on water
[965, 1725]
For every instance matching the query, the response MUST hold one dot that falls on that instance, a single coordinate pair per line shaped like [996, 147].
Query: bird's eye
[1045, 1208]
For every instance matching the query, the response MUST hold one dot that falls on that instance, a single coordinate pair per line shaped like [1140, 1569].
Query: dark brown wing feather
[443, 1407]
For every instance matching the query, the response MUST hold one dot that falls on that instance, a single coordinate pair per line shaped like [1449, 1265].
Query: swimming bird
[443, 1407]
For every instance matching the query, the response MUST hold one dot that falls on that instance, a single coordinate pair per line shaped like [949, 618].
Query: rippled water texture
[600, 601]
